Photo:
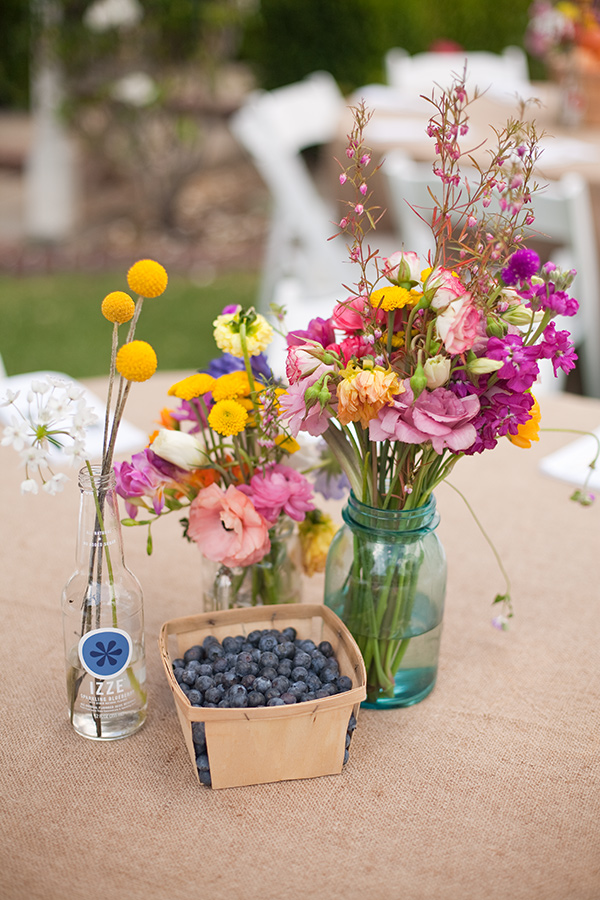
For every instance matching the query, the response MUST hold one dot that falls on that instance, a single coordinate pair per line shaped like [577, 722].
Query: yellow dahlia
[227, 417]
[363, 392]
[192, 386]
[394, 297]
[118, 307]
[147, 278]
[231, 386]
[316, 533]
[136, 361]
[530, 430]
[259, 334]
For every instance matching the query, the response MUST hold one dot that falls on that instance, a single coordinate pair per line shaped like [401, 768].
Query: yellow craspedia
[231, 386]
[393, 297]
[193, 386]
[136, 361]
[147, 278]
[118, 307]
[227, 417]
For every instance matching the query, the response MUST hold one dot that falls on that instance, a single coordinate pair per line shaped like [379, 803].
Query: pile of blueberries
[267, 667]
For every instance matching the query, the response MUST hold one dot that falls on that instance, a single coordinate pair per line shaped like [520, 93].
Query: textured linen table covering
[488, 788]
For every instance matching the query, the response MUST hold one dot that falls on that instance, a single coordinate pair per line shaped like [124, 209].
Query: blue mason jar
[386, 579]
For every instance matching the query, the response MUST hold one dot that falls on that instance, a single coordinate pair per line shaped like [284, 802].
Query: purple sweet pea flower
[439, 416]
[319, 330]
[140, 478]
[280, 489]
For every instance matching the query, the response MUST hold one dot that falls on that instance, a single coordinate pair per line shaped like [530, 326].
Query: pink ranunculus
[448, 287]
[459, 325]
[355, 345]
[438, 416]
[293, 410]
[402, 266]
[302, 361]
[280, 489]
[227, 527]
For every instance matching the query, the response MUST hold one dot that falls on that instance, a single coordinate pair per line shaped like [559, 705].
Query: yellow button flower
[192, 386]
[227, 417]
[231, 386]
[147, 278]
[118, 307]
[136, 361]
[394, 297]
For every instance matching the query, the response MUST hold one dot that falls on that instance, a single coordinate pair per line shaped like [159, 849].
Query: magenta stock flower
[280, 489]
[558, 346]
[438, 416]
[520, 368]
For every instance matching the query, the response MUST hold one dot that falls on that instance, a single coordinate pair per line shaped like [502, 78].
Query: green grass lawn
[54, 321]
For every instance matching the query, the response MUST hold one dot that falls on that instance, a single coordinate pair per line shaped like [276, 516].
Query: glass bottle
[386, 579]
[276, 578]
[103, 621]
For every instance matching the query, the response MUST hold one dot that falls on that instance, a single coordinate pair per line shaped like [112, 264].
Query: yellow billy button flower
[228, 417]
[394, 297]
[193, 386]
[530, 430]
[136, 361]
[231, 386]
[147, 278]
[118, 307]
[362, 393]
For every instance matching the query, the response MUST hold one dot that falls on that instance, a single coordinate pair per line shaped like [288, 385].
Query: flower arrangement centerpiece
[222, 458]
[102, 601]
[424, 363]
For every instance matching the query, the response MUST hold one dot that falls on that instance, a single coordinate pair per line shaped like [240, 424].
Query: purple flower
[227, 363]
[520, 368]
[501, 412]
[331, 485]
[140, 478]
[280, 489]
[545, 296]
[558, 346]
[521, 265]
[319, 330]
[439, 416]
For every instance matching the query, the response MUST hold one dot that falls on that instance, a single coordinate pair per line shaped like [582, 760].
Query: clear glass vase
[103, 621]
[274, 579]
[386, 579]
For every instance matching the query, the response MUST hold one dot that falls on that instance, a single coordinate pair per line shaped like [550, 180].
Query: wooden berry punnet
[269, 743]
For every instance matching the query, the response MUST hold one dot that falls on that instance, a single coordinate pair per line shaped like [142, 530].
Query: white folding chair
[501, 74]
[564, 221]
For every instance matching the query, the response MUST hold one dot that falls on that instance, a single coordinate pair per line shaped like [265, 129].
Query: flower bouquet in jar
[223, 458]
[423, 363]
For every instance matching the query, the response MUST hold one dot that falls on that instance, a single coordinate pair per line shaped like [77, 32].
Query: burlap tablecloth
[489, 788]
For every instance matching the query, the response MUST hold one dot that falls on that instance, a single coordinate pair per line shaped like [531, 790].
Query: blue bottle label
[105, 652]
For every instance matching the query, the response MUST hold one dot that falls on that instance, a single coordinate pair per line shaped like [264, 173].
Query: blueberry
[299, 673]
[285, 667]
[229, 645]
[275, 701]
[269, 672]
[318, 662]
[352, 723]
[348, 739]
[322, 692]
[285, 650]
[205, 669]
[196, 652]
[214, 695]
[288, 698]
[178, 673]
[254, 637]
[267, 642]
[198, 732]
[247, 680]
[179, 663]
[346, 757]
[302, 659]
[268, 659]
[256, 699]
[326, 648]
[237, 691]
[281, 683]
[209, 705]
[310, 695]
[247, 647]
[185, 688]
[204, 682]
[308, 646]
[313, 682]
[344, 683]
[243, 667]
[208, 640]
[298, 689]
[272, 692]
[195, 698]
[220, 664]
[328, 675]
[262, 684]
[214, 652]
[205, 778]
[202, 762]
[189, 676]
[289, 633]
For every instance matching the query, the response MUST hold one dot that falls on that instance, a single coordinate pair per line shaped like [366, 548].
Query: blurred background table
[490, 787]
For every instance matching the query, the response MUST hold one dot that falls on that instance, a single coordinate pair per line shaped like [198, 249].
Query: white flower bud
[483, 366]
[437, 371]
[180, 448]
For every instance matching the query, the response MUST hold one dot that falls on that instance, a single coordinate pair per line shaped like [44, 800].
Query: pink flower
[140, 478]
[227, 527]
[447, 287]
[293, 409]
[401, 267]
[355, 345]
[459, 325]
[438, 416]
[352, 314]
[280, 489]
[302, 361]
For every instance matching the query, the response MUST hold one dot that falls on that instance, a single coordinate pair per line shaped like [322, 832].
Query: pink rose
[438, 416]
[402, 267]
[447, 285]
[227, 528]
[302, 361]
[458, 325]
[355, 345]
[352, 314]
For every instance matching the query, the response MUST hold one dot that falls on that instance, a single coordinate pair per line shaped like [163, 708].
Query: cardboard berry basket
[270, 743]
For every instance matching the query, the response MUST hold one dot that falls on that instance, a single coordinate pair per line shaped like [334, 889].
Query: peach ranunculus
[458, 326]
[364, 392]
[227, 528]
